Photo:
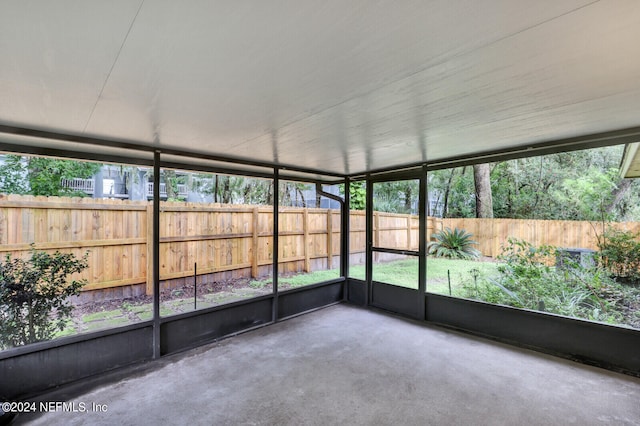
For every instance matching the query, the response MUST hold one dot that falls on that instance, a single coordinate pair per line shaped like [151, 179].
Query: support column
[156, 254]
[422, 243]
[276, 248]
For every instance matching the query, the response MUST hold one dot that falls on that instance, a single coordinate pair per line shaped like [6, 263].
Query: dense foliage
[34, 296]
[620, 254]
[396, 197]
[357, 195]
[246, 190]
[528, 278]
[13, 176]
[392, 197]
[42, 176]
[578, 185]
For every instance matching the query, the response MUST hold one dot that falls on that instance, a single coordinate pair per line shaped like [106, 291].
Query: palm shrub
[454, 244]
[34, 296]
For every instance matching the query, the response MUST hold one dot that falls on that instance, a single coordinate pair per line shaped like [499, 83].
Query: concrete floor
[345, 365]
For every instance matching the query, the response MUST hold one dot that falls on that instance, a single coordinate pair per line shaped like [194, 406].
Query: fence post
[409, 232]
[329, 238]
[254, 250]
[305, 230]
[149, 213]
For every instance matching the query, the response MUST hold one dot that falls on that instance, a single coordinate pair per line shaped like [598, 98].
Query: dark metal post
[344, 229]
[156, 254]
[276, 230]
[344, 247]
[422, 247]
[369, 248]
[195, 286]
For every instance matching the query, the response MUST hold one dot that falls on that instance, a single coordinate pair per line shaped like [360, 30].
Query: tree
[396, 196]
[42, 176]
[578, 185]
[45, 175]
[34, 296]
[357, 195]
[234, 189]
[618, 195]
[170, 184]
[450, 188]
[447, 191]
[587, 195]
[484, 199]
[291, 193]
[13, 175]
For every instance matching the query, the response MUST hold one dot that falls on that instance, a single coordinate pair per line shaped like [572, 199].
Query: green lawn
[444, 276]
[298, 280]
[400, 272]
[458, 270]
[403, 273]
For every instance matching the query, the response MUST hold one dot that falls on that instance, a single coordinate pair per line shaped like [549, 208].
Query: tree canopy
[579, 185]
[42, 176]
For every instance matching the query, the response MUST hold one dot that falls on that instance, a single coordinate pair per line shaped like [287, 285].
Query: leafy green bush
[456, 244]
[528, 279]
[34, 296]
[620, 254]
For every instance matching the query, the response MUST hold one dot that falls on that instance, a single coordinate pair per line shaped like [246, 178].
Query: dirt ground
[185, 292]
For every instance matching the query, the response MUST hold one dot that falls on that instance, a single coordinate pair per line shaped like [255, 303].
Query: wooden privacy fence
[232, 239]
[214, 237]
[491, 234]
[114, 232]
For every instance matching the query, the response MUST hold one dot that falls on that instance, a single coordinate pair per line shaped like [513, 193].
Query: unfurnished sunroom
[206, 169]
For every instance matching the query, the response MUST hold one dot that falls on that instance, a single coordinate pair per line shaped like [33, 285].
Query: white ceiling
[343, 86]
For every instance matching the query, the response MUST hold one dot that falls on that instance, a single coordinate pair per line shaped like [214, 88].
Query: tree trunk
[270, 193]
[618, 194]
[226, 191]
[407, 198]
[299, 192]
[170, 184]
[445, 206]
[484, 198]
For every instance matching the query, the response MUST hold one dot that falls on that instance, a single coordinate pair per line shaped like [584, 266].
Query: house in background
[126, 183]
[113, 181]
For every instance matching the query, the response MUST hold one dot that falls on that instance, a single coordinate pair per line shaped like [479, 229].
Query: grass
[109, 323]
[138, 309]
[402, 273]
[439, 270]
[101, 316]
[405, 273]
[299, 280]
